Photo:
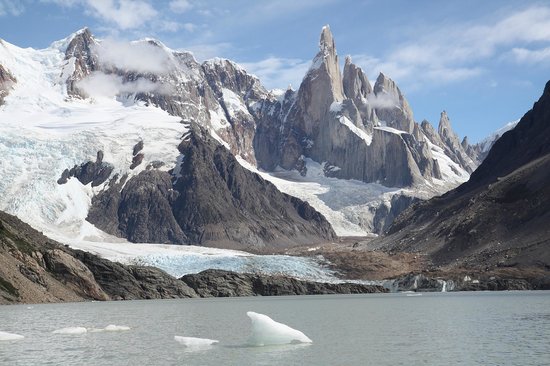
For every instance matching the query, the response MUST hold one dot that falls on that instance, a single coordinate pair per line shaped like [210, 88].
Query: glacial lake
[499, 328]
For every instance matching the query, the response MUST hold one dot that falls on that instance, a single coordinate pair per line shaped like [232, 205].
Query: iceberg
[71, 330]
[116, 328]
[195, 343]
[266, 331]
[5, 336]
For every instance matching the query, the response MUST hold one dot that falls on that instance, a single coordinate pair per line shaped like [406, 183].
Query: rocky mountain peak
[80, 50]
[326, 43]
[387, 92]
[444, 124]
[465, 143]
[355, 81]
[453, 145]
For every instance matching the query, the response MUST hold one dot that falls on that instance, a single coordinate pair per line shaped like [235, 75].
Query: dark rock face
[80, 51]
[96, 172]
[478, 282]
[133, 282]
[6, 83]
[218, 283]
[35, 269]
[499, 218]
[211, 200]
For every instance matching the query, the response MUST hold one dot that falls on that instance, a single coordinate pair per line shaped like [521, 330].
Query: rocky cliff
[208, 199]
[218, 283]
[499, 218]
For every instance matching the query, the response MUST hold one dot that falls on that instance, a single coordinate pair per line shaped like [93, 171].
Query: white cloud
[455, 52]
[99, 84]
[125, 14]
[382, 101]
[180, 6]
[11, 7]
[275, 72]
[138, 56]
[523, 55]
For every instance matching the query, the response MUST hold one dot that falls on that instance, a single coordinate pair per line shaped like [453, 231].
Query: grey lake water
[501, 328]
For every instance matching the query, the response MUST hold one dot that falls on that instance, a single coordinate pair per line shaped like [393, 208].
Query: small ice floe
[5, 336]
[266, 331]
[116, 328]
[110, 328]
[71, 330]
[195, 344]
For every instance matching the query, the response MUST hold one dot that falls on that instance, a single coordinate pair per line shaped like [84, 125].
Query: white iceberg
[266, 331]
[71, 330]
[193, 343]
[5, 336]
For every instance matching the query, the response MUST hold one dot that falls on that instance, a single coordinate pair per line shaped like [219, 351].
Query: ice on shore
[195, 343]
[71, 330]
[266, 331]
[5, 336]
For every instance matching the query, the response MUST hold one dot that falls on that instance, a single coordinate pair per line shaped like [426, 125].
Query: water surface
[504, 328]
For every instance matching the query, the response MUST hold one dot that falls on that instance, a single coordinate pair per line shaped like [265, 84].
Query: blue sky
[484, 62]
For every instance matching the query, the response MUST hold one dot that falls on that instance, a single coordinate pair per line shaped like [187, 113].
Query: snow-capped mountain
[135, 138]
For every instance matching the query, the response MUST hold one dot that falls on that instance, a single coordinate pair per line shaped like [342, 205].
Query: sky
[484, 62]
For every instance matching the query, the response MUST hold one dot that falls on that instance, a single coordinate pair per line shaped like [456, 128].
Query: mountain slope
[500, 216]
[209, 199]
[82, 95]
[34, 269]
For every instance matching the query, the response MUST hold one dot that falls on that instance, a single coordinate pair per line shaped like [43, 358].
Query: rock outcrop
[209, 199]
[35, 269]
[499, 218]
[81, 59]
[91, 172]
[7, 81]
[218, 283]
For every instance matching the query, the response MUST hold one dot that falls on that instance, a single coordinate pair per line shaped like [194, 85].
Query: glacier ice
[266, 331]
[71, 330]
[5, 336]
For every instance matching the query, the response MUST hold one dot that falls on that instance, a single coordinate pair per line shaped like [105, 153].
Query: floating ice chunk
[71, 330]
[116, 328]
[266, 331]
[192, 342]
[110, 328]
[5, 336]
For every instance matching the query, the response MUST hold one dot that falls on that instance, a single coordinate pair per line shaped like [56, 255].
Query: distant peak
[444, 123]
[326, 43]
[348, 60]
